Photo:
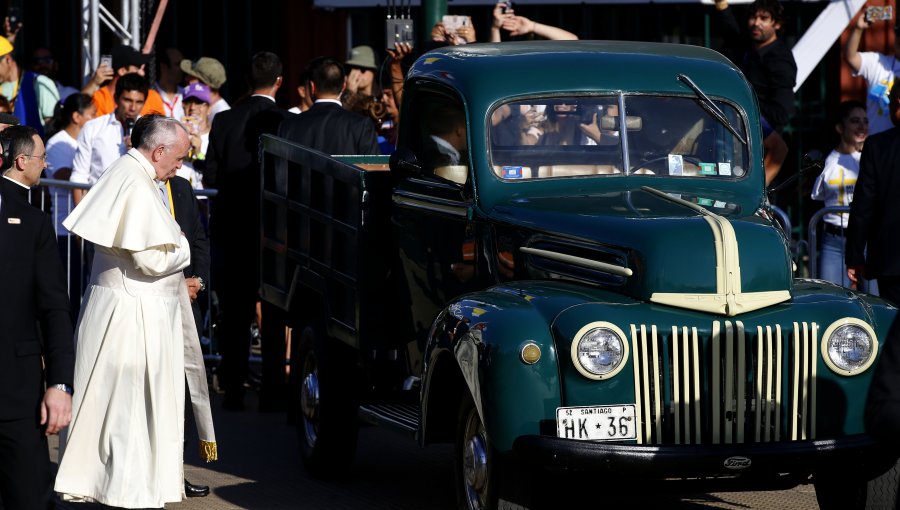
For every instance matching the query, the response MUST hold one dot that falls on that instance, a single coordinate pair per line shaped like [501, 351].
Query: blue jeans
[831, 264]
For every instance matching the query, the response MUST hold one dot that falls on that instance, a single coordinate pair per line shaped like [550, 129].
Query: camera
[507, 6]
[879, 13]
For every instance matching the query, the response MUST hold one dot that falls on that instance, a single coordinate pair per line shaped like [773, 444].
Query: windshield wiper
[711, 107]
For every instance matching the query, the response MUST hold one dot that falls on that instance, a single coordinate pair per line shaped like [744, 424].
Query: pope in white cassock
[135, 339]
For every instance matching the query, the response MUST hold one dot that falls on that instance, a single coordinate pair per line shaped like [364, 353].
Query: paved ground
[259, 469]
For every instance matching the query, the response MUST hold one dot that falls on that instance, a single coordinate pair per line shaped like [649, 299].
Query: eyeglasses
[43, 156]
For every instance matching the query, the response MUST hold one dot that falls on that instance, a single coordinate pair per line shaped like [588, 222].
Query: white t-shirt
[836, 184]
[100, 143]
[61, 149]
[220, 106]
[879, 71]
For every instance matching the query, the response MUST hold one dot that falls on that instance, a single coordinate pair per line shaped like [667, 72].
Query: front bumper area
[853, 454]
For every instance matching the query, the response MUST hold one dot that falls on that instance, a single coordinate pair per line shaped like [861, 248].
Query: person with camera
[878, 70]
[196, 118]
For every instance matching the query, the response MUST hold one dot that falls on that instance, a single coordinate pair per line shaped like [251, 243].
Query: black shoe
[195, 491]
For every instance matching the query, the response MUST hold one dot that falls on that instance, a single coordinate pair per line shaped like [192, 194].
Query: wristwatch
[202, 283]
[64, 387]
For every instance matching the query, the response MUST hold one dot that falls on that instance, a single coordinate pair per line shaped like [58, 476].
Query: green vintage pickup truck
[569, 266]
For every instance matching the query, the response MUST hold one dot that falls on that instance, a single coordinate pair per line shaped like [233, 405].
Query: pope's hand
[193, 286]
[56, 410]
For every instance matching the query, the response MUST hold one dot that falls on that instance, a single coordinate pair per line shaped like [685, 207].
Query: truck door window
[442, 143]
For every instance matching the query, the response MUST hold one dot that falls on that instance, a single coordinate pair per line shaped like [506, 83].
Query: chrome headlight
[849, 346]
[599, 350]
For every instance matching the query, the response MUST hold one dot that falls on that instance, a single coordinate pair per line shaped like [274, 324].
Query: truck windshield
[593, 137]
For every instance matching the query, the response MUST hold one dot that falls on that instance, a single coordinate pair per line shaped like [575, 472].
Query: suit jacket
[330, 128]
[187, 215]
[875, 211]
[232, 166]
[33, 292]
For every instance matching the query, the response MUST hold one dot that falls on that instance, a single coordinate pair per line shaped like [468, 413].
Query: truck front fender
[475, 345]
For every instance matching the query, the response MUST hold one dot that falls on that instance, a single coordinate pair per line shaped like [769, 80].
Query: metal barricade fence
[55, 196]
[814, 236]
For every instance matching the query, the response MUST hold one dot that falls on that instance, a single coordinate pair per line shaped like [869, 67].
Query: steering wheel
[660, 164]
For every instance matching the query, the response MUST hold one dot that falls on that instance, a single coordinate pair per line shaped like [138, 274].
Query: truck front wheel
[327, 421]
[475, 478]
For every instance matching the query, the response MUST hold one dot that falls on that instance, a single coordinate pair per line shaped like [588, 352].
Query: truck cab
[570, 264]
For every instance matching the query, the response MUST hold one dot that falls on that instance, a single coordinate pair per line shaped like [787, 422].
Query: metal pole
[95, 33]
[432, 12]
[125, 17]
[135, 24]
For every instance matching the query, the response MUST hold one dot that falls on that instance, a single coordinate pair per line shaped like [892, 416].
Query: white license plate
[596, 423]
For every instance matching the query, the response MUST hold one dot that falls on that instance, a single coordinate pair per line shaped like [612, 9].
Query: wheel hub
[475, 463]
[309, 396]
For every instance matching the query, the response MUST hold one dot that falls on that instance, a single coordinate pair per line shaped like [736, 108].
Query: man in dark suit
[36, 365]
[327, 126]
[232, 167]
[196, 274]
[873, 247]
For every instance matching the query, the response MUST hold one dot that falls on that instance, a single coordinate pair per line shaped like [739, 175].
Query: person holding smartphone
[505, 19]
[879, 71]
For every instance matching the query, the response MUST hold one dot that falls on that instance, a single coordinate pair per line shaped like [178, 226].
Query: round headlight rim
[848, 321]
[583, 331]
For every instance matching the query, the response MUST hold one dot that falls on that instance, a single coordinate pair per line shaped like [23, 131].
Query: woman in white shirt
[68, 120]
[835, 187]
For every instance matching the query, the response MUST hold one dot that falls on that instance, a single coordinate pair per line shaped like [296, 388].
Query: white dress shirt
[100, 143]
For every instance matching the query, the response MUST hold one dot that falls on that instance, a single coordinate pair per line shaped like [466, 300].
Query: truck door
[436, 240]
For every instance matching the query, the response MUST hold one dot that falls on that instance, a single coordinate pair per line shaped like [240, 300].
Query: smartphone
[507, 6]
[14, 15]
[106, 60]
[453, 23]
[879, 13]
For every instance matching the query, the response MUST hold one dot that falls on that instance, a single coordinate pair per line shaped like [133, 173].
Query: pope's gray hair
[152, 131]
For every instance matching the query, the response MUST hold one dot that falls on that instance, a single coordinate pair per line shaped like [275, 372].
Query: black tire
[475, 470]
[326, 414]
[880, 493]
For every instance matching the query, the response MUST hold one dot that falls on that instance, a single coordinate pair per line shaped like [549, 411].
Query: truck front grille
[727, 386]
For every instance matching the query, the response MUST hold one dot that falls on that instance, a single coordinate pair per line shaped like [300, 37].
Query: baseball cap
[5, 46]
[208, 70]
[197, 91]
[362, 56]
[126, 56]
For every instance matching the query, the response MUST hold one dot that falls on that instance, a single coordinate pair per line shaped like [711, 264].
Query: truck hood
[661, 247]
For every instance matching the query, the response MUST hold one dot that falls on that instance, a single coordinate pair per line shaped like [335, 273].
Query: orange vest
[103, 100]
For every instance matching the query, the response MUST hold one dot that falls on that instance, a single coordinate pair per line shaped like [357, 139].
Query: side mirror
[404, 160]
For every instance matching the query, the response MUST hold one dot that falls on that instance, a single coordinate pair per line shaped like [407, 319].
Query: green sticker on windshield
[708, 169]
[708, 202]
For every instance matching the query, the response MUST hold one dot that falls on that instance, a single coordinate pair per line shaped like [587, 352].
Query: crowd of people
[143, 147]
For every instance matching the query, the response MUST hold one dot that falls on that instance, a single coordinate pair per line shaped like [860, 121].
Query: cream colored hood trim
[728, 299]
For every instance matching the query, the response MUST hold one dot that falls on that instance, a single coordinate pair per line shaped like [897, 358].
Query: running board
[401, 417]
